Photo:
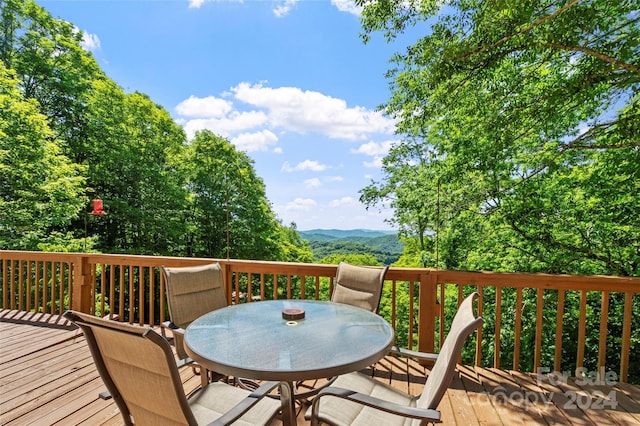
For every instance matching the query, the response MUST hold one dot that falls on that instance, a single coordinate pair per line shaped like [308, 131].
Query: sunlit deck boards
[47, 377]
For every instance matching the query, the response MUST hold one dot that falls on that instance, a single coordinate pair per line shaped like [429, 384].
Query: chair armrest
[413, 354]
[167, 325]
[243, 406]
[373, 402]
[178, 337]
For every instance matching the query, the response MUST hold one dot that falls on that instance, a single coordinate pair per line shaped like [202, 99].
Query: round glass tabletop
[253, 340]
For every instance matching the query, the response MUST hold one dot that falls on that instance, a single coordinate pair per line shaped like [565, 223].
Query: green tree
[528, 116]
[40, 189]
[231, 215]
[132, 151]
[52, 67]
[294, 249]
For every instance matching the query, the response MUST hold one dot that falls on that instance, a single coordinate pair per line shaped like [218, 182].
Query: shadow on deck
[47, 377]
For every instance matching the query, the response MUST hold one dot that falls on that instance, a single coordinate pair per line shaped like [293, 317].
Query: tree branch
[608, 59]
[539, 22]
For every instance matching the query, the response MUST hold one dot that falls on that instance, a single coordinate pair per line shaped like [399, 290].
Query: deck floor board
[47, 377]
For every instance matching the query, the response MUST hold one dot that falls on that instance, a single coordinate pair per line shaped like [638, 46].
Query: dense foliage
[521, 127]
[69, 134]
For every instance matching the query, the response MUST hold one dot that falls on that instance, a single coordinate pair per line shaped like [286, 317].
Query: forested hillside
[70, 135]
[384, 246]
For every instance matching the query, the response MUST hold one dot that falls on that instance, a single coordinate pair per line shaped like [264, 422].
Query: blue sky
[288, 82]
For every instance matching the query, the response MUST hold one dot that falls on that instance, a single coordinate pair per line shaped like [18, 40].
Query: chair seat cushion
[217, 398]
[339, 411]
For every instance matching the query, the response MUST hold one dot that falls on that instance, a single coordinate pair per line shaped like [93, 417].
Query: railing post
[81, 299]
[427, 312]
[227, 276]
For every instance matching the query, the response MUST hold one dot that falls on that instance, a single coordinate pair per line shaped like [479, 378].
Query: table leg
[288, 404]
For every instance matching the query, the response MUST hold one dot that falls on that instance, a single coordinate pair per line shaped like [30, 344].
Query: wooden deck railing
[534, 321]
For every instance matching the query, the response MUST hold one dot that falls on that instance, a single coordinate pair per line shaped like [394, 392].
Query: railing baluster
[121, 294]
[163, 298]
[582, 326]
[20, 285]
[5, 281]
[602, 343]
[61, 290]
[102, 285]
[275, 286]
[45, 286]
[496, 343]
[626, 337]
[132, 296]
[393, 304]
[441, 315]
[140, 295]
[557, 362]
[539, 324]
[29, 283]
[411, 312]
[12, 290]
[518, 329]
[479, 332]
[152, 286]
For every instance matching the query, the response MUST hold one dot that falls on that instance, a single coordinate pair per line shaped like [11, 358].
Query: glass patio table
[254, 341]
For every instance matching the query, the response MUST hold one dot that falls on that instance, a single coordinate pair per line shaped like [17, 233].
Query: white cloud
[258, 141]
[225, 126]
[90, 41]
[377, 150]
[344, 201]
[348, 6]
[303, 166]
[195, 4]
[209, 107]
[309, 111]
[376, 163]
[277, 150]
[313, 183]
[374, 149]
[304, 204]
[284, 8]
[279, 110]
[318, 182]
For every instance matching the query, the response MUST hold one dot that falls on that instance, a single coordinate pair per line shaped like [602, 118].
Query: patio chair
[355, 285]
[138, 368]
[192, 291]
[357, 399]
[359, 286]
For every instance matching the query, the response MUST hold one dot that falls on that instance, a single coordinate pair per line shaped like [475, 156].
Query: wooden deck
[47, 377]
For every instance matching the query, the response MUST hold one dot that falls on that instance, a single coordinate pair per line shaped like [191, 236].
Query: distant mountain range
[384, 245]
[317, 234]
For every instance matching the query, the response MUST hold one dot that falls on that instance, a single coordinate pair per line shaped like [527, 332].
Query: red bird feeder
[97, 208]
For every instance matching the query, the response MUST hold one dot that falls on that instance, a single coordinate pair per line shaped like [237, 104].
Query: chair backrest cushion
[139, 370]
[193, 291]
[359, 286]
[464, 323]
